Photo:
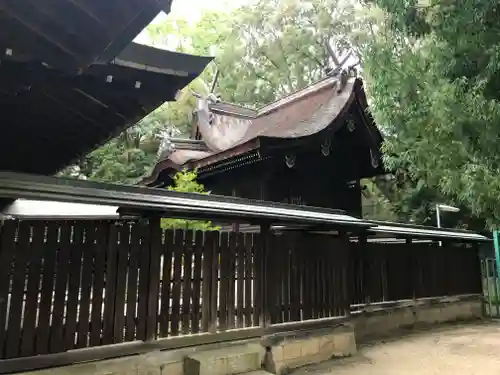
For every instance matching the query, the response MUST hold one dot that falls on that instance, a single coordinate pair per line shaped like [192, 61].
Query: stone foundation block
[285, 352]
[224, 361]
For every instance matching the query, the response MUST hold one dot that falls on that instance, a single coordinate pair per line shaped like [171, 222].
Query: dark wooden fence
[69, 285]
[383, 272]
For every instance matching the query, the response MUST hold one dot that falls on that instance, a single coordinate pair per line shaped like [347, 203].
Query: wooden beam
[27, 17]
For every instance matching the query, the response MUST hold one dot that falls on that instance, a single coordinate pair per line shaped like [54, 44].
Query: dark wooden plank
[177, 282]
[166, 284]
[100, 249]
[206, 288]
[266, 290]
[318, 303]
[17, 294]
[308, 276]
[7, 252]
[295, 287]
[240, 274]
[132, 282]
[330, 281]
[50, 249]
[232, 280]
[56, 343]
[110, 284]
[74, 284]
[273, 278]
[248, 275]
[155, 250]
[347, 279]
[257, 279]
[83, 331]
[34, 274]
[287, 265]
[186, 281]
[142, 306]
[225, 278]
[121, 281]
[198, 250]
[277, 272]
[214, 280]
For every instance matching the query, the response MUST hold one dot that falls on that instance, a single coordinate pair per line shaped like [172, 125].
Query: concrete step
[258, 372]
[224, 361]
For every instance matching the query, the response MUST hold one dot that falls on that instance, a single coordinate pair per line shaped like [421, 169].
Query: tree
[433, 75]
[185, 181]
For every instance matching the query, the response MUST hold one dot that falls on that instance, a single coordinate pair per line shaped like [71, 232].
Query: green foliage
[432, 70]
[185, 182]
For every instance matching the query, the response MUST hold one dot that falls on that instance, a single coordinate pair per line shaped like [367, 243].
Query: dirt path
[458, 350]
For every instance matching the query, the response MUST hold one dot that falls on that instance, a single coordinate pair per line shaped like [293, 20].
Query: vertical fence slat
[7, 252]
[287, 263]
[17, 296]
[132, 283]
[197, 280]
[231, 298]
[275, 278]
[121, 279]
[240, 274]
[86, 285]
[249, 278]
[34, 273]
[166, 283]
[213, 243]
[144, 278]
[155, 234]
[74, 285]
[56, 343]
[207, 290]
[257, 274]
[224, 281]
[110, 284]
[100, 249]
[330, 281]
[177, 282]
[186, 281]
[50, 250]
[294, 281]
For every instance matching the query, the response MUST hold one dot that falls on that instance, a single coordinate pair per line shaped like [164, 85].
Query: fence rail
[79, 284]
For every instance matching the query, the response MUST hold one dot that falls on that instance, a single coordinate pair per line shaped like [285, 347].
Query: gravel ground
[454, 350]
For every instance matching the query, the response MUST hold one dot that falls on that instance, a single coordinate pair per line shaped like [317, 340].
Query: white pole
[438, 216]
[438, 220]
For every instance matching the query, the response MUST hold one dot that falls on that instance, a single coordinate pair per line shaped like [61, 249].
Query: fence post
[155, 244]
[496, 244]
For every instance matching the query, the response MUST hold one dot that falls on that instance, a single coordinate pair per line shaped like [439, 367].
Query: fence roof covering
[53, 210]
[29, 196]
[188, 205]
[411, 230]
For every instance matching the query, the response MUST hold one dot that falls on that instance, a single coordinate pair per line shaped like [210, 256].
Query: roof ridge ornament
[338, 67]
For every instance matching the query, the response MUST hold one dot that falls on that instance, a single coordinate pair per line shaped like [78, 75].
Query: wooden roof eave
[243, 148]
[45, 29]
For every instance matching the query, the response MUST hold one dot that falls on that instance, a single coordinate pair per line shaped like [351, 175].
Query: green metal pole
[497, 257]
